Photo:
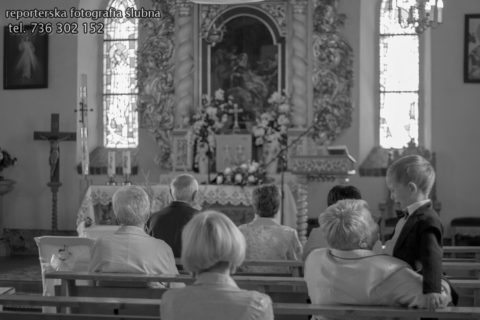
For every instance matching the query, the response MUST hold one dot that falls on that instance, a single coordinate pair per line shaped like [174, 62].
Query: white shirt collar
[352, 254]
[414, 206]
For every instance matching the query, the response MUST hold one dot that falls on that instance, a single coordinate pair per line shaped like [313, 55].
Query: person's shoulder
[316, 255]
[253, 297]
[429, 217]
[159, 242]
[156, 215]
[242, 227]
[173, 294]
[259, 300]
[388, 262]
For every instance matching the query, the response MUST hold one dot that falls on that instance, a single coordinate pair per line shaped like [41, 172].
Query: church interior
[326, 59]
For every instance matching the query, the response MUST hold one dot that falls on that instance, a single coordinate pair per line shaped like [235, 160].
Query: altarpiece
[249, 51]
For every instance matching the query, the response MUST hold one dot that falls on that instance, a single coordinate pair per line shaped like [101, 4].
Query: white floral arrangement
[273, 124]
[208, 121]
[251, 173]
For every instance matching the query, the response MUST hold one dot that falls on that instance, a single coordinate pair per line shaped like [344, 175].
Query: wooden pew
[118, 304]
[462, 252]
[117, 308]
[281, 289]
[369, 312]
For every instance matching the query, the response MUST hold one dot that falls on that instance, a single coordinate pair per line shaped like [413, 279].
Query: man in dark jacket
[167, 224]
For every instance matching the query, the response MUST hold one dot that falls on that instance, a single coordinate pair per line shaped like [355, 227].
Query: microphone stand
[282, 154]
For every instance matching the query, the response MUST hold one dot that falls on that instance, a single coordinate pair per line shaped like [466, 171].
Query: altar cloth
[208, 195]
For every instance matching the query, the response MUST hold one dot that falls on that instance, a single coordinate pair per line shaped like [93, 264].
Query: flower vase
[203, 165]
[203, 162]
[270, 157]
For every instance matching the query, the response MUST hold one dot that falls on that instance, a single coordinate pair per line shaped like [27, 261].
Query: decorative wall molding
[156, 78]
[278, 11]
[332, 75]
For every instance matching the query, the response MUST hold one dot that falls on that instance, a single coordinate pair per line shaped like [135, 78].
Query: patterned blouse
[268, 240]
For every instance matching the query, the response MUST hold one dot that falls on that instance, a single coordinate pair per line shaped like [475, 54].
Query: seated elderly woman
[316, 238]
[212, 248]
[351, 273]
[266, 238]
[130, 249]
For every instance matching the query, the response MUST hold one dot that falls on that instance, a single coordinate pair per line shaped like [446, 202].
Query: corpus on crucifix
[54, 136]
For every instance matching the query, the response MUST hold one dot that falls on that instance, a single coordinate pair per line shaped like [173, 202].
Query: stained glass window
[120, 116]
[399, 80]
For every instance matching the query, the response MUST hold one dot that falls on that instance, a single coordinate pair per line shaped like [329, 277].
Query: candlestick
[126, 162]
[84, 151]
[111, 163]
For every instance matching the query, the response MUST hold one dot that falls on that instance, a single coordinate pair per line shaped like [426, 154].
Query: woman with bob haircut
[213, 248]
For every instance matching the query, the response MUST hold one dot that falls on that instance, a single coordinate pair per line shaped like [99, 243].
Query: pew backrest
[119, 304]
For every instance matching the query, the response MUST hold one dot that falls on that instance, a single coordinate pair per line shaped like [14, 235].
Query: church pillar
[184, 63]
[299, 61]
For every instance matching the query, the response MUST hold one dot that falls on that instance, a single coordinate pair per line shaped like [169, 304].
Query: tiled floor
[21, 272]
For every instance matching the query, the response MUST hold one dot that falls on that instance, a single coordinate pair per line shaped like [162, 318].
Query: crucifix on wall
[54, 136]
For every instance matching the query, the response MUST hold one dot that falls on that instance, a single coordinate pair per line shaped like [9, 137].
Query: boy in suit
[418, 234]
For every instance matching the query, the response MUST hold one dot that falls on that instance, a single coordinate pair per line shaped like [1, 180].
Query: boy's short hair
[131, 206]
[211, 237]
[413, 168]
[342, 192]
[347, 223]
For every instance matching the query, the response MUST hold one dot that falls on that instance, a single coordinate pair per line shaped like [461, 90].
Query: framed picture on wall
[471, 58]
[25, 59]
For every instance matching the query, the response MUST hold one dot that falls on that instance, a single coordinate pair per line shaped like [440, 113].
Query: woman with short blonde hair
[213, 248]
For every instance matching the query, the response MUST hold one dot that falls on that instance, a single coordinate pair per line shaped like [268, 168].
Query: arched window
[120, 93]
[399, 80]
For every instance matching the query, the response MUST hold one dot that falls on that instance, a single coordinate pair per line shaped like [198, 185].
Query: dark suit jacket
[421, 240]
[167, 224]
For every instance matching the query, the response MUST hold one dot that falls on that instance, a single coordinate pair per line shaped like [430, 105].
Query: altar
[234, 201]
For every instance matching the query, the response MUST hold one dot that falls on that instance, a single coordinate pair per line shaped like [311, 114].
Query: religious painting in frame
[471, 59]
[25, 59]
[245, 57]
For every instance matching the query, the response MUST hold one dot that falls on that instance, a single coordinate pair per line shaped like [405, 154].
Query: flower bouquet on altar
[208, 121]
[270, 132]
[245, 174]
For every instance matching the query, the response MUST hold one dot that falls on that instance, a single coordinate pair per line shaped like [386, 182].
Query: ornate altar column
[184, 62]
[299, 62]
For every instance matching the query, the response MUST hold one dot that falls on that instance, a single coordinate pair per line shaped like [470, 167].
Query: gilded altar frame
[316, 65]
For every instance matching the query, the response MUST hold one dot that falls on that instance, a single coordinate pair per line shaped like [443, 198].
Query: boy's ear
[412, 187]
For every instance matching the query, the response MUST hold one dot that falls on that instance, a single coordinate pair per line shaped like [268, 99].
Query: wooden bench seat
[354, 312]
[281, 289]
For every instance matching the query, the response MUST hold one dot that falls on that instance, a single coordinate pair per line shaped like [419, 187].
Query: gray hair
[131, 206]
[184, 187]
[209, 238]
[348, 225]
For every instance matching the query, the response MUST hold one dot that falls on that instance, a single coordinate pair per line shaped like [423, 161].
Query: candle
[440, 11]
[111, 163]
[84, 151]
[83, 88]
[126, 162]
